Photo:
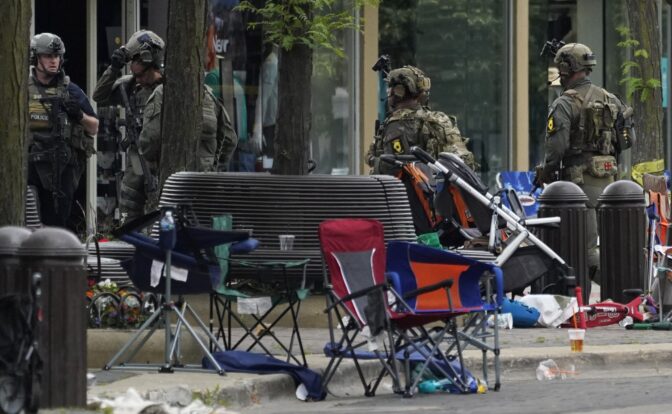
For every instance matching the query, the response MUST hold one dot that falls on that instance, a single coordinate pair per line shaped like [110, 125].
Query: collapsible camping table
[287, 299]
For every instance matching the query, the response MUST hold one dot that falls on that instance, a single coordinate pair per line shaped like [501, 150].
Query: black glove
[73, 110]
[118, 58]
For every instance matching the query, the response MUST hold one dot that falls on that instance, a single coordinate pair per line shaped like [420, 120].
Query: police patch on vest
[550, 125]
[397, 147]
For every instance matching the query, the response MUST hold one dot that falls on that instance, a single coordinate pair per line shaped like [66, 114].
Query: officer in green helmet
[586, 129]
[412, 123]
[144, 54]
[144, 90]
[62, 124]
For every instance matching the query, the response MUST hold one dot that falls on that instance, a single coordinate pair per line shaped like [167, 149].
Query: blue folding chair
[185, 250]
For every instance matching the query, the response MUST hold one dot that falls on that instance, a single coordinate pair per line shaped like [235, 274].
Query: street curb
[527, 359]
[237, 391]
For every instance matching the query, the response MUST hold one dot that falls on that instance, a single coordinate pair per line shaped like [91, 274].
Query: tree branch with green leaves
[632, 70]
[313, 23]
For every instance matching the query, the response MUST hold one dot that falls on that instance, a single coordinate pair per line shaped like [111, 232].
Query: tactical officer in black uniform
[62, 126]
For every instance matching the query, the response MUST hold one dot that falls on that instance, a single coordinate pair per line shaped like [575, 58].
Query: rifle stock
[132, 127]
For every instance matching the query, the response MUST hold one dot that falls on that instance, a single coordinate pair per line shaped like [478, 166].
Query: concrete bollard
[59, 257]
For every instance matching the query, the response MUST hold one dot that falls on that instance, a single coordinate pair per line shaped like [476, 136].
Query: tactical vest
[434, 131]
[593, 138]
[596, 130]
[45, 131]
[137, 99]
[445, 136]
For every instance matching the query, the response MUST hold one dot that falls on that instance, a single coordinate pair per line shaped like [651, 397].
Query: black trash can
[621, 218]
[566, 200]
[12, 279]
[59, 257]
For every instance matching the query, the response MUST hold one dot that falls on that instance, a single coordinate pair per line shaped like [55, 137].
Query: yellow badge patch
[550, 125]
[397, 147]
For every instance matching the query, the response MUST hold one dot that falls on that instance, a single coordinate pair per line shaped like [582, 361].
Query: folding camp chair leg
[200, 343]
[268, 331]
[134, 338]
[391, 366]
[296, 333]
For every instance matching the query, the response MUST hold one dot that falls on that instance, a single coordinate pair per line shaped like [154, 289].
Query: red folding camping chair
[393, 324]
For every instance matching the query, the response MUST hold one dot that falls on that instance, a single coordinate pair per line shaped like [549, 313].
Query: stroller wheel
[12, 395]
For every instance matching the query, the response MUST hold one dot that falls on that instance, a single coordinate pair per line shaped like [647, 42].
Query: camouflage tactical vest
[434, 131]
[445, 136]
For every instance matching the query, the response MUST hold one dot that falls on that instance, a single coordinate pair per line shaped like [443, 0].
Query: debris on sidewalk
[549, 370]
[177, 400]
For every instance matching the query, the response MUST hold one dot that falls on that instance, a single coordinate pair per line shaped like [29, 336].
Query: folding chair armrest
[356, 294]
[244, 246]
[417, 292]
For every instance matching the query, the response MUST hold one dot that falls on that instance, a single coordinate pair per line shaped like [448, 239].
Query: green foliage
[632, 70]
[313, 23]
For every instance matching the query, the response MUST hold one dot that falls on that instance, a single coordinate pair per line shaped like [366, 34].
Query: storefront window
[615, 16]
[462, 46]
[334, 102]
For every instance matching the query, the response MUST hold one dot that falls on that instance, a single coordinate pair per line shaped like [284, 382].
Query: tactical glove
[118, 58]
[73, 110]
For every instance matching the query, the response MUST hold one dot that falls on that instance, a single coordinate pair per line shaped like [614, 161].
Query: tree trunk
[14, 37]
[183, 89]
[648, 115]
[293, 123]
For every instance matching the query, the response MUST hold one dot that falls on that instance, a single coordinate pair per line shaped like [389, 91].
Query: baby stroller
[521, 255]
[454, 226]
[20, 363]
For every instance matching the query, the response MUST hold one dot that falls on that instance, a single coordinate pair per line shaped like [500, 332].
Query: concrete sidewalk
[522, 350]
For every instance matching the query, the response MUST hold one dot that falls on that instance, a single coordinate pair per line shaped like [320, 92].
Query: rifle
[55, 143]
[551, 48]
[132, 126]
[383, 67]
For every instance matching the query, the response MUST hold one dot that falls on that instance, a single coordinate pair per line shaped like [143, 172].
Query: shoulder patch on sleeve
[551, 126]
[397, 147]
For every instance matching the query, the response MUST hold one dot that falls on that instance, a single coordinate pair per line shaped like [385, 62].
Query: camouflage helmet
[574, 57]
[408, 81]
[146, 47]
[45, 44]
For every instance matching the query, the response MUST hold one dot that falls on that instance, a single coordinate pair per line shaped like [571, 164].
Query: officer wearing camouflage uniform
[217, 141]
[411, 123]
[585, 131]
[62, 124]
[145, 51]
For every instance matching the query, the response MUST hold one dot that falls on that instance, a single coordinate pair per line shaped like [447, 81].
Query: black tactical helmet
[45, 44]
[574, 57]
[146, 47]
[408, 82]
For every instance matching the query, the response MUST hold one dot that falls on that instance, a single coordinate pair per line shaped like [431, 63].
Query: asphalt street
[596, 390]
